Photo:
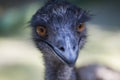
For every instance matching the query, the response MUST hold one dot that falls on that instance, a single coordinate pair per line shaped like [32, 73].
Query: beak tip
[71, 65]
[70, 62]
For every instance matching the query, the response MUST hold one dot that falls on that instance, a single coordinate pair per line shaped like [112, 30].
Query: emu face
[59, 28]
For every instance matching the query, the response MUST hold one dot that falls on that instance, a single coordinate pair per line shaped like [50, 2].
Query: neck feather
[56, 70]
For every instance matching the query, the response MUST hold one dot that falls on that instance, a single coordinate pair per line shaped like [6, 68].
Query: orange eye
[41, 31]
[81, 27]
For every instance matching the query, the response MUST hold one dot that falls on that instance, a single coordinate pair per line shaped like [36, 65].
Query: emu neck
[56, 70]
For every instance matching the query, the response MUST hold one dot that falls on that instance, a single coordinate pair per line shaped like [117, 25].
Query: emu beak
[69, 57]
[68, 54]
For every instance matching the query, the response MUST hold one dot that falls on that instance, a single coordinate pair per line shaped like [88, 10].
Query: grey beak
[67, 51]
[69, 57]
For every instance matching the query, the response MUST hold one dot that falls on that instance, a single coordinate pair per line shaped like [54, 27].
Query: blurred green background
[20, 60]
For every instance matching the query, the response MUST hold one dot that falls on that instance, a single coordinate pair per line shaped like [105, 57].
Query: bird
[59, 31]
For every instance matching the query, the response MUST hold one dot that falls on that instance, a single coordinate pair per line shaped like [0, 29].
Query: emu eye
[41, 31]
[81, 27]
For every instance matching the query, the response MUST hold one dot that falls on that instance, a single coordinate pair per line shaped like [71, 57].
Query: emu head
[59, 28]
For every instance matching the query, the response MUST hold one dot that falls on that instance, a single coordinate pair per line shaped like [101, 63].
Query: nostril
[62, 49]
[74, 47]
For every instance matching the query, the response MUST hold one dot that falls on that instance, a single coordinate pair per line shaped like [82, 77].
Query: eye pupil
[80, 26]
[41, 30]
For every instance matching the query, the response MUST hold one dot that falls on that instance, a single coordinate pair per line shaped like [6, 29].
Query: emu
[59, 32]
